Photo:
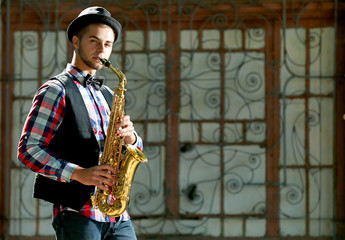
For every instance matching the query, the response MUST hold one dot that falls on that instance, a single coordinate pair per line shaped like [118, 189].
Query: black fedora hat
[93, 15]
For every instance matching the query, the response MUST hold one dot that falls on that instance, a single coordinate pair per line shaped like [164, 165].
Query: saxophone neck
[120, 75]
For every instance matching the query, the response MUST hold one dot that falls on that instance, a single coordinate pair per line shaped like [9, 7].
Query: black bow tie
[95, 82]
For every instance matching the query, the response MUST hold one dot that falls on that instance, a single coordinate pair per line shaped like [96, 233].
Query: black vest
[75, 142]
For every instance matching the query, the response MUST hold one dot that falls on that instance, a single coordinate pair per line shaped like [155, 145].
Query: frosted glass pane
[292, 147]
[292, 194]
[245, 86]
[244, 179]
[321, 131]
[240, 109]
[255, 227]
[248, 74]
[200, 86]
[233, 39]
[294, 46]
[233, 64]
[26, 54]
[320, 194]
[233, 227]
[23, 206]
[291, 86]
[205, 226]
[118, 45]
[233, 132]
[25, 88]
[188, 132]
[322, 51]
[157, 40]
[45, 210]
[322, 58]
[256, 132]
[54, 58]
[45, 227]
[249, 199]
[211, 39]
[293, 56]
[322, 86]
[26, 69]
[155, 132]
[134, 40]
[199, 171]
[211, 132]
[189, 39]
[255, 38]
[146, 67]
[147, 195]
[289, 227]
[145, 98]
[200, 65]
[23, 227]
[322, 228]
[54, 53]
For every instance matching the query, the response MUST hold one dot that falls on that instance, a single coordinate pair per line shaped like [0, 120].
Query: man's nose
[101, 47]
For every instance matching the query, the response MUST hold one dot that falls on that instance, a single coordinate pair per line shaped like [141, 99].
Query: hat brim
[85, 20]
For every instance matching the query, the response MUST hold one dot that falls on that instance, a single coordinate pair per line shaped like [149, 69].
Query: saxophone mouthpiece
[105, 62]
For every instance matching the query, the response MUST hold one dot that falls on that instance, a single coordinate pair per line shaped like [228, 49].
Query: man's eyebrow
[92, 36]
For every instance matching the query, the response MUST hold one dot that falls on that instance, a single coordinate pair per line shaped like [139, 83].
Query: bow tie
[95, 82]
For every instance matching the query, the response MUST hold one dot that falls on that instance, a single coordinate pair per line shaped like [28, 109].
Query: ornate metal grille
[234, 101]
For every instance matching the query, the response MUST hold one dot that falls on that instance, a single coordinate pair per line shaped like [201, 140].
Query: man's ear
[75, 41]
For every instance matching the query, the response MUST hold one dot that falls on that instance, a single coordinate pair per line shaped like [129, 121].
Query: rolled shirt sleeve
[42, 122]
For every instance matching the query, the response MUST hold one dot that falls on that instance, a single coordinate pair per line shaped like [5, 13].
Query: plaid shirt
[44, 119]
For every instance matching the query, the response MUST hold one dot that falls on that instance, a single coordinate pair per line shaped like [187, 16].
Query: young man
[63, 136]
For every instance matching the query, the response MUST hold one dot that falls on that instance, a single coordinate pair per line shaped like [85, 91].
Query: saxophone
[114, 202]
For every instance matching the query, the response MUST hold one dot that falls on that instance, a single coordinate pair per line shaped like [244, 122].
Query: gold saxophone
[114, 202]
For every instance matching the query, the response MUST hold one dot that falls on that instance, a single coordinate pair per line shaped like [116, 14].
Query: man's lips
[97, 59]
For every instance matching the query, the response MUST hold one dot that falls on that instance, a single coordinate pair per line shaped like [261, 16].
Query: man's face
[95, 41]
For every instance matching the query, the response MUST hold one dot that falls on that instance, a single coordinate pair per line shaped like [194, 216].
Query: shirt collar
[75, 72]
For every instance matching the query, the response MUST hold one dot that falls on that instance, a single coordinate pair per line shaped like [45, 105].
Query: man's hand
[126, 129]
[98, 176]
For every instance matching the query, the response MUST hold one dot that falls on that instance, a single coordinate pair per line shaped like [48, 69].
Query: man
[63, 136]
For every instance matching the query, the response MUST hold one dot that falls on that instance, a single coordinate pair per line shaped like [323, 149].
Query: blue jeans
[74, 226]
